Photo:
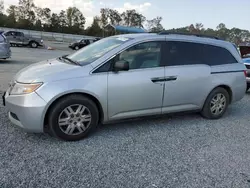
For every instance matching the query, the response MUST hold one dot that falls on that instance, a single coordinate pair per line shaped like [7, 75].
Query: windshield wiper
[70, 60]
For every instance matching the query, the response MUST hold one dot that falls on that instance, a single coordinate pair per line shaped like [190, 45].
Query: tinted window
[144, 55]
[18, 34]
[7, 33]
[214, 55]
[182, 53]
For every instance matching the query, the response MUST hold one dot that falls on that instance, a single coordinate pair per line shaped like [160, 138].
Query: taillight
[245, 72]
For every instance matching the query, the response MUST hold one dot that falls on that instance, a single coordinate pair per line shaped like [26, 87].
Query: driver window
[143, 55]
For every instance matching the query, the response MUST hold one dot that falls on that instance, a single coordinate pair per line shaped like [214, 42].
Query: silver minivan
[5, 51]
[126, 76]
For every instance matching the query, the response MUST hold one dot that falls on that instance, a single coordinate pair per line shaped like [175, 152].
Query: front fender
[52, 91]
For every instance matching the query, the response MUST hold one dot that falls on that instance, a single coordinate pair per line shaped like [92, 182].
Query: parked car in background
[126, 76]
[17, 38]
[5, 51]
[244, 49]
[82, 43]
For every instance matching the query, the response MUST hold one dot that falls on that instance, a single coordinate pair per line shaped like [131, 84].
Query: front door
[187, 77]
[138, 91]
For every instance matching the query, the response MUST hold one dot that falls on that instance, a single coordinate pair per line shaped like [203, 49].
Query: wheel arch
[55, 100]
[32, 41]
[227, 88]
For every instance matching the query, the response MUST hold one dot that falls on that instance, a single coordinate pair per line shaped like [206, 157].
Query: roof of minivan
[191, 38]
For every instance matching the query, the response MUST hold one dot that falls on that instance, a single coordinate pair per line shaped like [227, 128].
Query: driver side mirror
[121, 65]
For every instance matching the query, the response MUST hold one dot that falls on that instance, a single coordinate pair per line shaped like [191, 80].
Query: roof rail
[188, 34]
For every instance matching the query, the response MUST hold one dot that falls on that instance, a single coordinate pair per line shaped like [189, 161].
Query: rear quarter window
[214, 55]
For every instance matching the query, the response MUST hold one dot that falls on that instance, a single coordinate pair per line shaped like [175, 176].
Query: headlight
[41, 41]
[20, 89]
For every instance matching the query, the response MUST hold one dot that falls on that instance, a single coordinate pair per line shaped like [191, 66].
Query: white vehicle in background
[244, 49]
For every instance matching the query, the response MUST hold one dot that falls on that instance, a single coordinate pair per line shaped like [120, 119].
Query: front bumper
[25, 111]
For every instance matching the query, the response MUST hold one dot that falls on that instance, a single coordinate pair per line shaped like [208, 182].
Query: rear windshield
[95, 50]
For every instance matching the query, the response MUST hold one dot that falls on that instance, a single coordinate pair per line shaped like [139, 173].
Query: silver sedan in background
[5, 51]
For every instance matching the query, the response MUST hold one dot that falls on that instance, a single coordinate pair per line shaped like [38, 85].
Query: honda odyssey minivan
[126, 76]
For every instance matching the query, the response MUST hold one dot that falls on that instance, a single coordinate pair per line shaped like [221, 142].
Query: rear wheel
[73, 117]
[248, 87]
[33, 44]
[216, 104]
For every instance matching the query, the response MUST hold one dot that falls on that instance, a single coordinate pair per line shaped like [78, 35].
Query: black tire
[206, 111]
[248, 87]
[63, 103]
[33, 44]
[76, 48]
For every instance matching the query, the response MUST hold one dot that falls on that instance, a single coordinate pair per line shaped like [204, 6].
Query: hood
[51, 70]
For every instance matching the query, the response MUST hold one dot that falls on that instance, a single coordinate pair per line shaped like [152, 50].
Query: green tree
[75, 20]
[114, 17]
[43, 14]
[3, 17]
[133, 19]
[222, 31]
[54, 22]
[154, 25]
[95, 29]
[1, 7]
[12, 12]
[26, 14]
[104, 16]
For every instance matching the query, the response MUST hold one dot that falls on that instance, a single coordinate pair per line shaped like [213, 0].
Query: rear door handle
[159, 79]
[170, 78]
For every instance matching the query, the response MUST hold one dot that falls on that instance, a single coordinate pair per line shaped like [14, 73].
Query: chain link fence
[49, 36]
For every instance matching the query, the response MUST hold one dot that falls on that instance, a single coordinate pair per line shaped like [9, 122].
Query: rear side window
[214, 55]
[182, 53]
[18, 34]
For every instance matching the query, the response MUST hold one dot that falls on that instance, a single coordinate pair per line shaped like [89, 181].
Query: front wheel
[73, 117]
[76, 48]
[216, 104]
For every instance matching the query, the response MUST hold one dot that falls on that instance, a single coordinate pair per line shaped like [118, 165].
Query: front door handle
[170, 78]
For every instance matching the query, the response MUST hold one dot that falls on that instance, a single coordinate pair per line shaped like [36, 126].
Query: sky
[175, 13]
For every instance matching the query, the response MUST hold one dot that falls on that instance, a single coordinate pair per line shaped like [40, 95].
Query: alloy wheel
[218, 104]
[74, 119]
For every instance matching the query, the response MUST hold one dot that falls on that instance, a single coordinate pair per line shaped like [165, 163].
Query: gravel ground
[172, 151]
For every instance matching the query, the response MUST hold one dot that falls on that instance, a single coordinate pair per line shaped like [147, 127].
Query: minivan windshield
[93, 51]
